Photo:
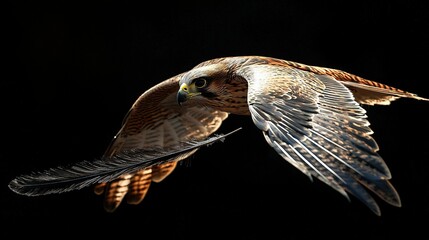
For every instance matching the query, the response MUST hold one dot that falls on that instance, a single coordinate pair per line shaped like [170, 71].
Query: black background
[73, 70]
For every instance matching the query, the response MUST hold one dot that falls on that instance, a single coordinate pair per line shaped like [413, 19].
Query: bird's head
[203, 83]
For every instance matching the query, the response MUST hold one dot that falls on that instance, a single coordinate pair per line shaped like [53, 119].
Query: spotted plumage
[311, 116]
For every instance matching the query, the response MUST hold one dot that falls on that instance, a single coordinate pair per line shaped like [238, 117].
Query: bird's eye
[200, 83]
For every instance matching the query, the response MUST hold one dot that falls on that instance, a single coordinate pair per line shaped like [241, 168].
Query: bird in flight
[311, 116]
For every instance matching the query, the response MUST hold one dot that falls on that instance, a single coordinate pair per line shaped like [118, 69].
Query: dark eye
[200, 82]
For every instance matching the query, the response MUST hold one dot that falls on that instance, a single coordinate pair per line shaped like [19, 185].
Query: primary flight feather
[311, 116]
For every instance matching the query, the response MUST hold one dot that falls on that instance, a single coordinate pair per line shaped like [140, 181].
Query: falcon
[311, 116]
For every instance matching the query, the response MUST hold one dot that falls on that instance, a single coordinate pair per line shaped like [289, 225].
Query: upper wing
[313, 122]
[155, 121]
[364, 91]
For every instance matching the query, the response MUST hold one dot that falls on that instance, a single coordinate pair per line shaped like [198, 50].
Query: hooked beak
[185, 92]
[182, 94]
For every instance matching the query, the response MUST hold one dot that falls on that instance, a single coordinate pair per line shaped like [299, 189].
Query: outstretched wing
[313, 121]
[155, 121]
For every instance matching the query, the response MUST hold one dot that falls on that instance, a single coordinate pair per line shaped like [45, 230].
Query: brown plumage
[310, 115]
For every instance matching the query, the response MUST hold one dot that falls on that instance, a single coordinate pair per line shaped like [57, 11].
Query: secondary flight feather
[312, 116]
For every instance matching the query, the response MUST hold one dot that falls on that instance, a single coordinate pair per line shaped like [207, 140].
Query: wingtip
[421, 98]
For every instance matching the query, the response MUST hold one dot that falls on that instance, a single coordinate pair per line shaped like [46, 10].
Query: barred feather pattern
[310, 115]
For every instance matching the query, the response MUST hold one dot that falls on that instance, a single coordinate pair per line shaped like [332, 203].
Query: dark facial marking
[208, 94]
